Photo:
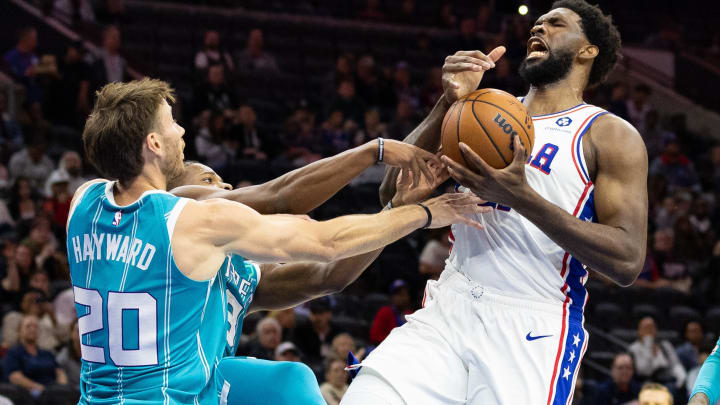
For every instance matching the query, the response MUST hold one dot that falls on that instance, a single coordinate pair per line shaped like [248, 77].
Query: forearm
[707, 387]
[289, 285]
[357, 234]
[304, 189]
[18, 378]
[426, 136]
[60, 376]
[606, 249]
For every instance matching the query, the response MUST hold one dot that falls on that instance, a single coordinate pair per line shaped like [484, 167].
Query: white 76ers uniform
[504, 324]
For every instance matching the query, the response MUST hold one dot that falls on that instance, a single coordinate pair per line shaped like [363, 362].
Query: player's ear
[588, 52]
[153, 142]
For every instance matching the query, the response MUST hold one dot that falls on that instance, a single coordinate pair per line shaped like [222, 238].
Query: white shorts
[469, 345]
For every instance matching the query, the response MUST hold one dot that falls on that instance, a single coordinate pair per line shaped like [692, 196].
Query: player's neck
[130, 192]
[554, 97]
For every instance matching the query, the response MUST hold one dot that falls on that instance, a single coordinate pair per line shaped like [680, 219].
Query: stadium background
[294, 81]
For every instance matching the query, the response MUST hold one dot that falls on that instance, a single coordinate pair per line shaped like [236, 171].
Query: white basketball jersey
[511, 255]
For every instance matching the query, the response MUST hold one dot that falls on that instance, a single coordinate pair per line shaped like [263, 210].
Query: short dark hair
[601, 32]
[24, 32]
[123, 115]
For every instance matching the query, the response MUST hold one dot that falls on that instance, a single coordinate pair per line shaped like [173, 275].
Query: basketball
[487, 120]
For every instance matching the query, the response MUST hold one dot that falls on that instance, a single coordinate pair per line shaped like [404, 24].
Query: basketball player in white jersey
[504, 323]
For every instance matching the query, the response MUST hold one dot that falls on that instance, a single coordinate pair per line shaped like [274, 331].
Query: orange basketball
[487, 120]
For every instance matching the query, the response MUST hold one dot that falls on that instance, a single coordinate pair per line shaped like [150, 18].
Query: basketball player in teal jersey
[283, 286]
[142, 261]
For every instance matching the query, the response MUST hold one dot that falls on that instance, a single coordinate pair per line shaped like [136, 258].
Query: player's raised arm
[207, 231]
[462, 73]
[304, 189]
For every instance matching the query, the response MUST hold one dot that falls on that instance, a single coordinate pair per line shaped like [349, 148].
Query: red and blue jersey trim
[577, 141]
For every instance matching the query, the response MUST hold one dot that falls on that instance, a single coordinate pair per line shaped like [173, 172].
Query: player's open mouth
[536, 48]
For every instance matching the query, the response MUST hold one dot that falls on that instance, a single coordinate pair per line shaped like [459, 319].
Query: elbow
[627, 272]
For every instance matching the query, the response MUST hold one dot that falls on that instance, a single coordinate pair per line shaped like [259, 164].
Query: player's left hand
[409, 192]
[406, 156]
[503, 186]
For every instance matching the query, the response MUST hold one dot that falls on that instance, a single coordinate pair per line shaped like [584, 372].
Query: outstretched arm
[287, 285]
[208, 231]
[462, 73]
[304, 189]
[615, 246]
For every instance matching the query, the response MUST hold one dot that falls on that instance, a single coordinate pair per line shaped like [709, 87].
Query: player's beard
[554, 68]
[172, 166]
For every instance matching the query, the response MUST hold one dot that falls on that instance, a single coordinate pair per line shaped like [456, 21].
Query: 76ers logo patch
[116, 219]
[563, 121]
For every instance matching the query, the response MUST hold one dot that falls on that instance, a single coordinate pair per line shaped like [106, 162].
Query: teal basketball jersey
[146, 334]
[240, 278]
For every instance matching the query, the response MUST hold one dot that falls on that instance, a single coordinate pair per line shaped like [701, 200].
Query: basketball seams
[487, 134]
[511, 115]
[459, 120]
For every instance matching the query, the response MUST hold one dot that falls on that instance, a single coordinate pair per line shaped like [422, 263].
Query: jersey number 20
[146, 306]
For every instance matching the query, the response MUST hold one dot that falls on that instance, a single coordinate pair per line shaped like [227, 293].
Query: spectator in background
[68, 99]
[20, 266]
[343, 344]
[372, 11]
[34, 303]
[656, 359]
[433, 89]
[22, 60]
[654, 136]
[74, 12]
[213, 54]
[676, 167]
[434, 254]
[654, 394]
[286, 318]
[27, 365]
[244, 131]
[32, 163]
[335, 383]
[210, 140]
[254, 58]
[368, 85]
[263, 346]
[447, 18]
[346, 100]
[69, 167]
[110, 66]
[300, 139]
[22, 203]
[11, 137]
[57, 206]
[468, 37]
[404, 89]
[404, 121]
[688, 351]
[406, 14]
[373, 128]
[343, 71]
[620, 388]
[639, 105]
[69, 356]
[619, 100]
[215, 94]
[287, 351]
[391, 316]
[336, 133]
[313, 338]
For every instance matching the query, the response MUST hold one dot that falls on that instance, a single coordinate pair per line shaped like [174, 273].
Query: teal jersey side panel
[241, 278]
[141, 319]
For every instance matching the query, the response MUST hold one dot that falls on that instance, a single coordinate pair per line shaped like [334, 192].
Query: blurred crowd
[41, 165]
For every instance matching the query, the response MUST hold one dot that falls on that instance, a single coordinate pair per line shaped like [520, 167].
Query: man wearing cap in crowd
[314, 338]
[287, 351]
[393, 315]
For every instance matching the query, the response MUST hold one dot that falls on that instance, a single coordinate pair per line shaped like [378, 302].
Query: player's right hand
[454, 208]
[462, 72]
